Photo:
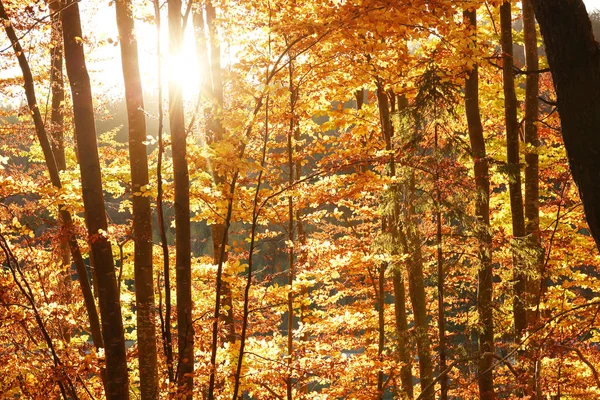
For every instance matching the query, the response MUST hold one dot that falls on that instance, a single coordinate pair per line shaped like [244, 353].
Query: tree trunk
[185, 330]
[440, 274]
[574, 59]
[215, 133]
[302, 256]
[291, 234]
[407, 391]
[57, 87]
[393, 227]
[51, 164]
[164, 244]
[57, 131]
[514, 171]
[142, 214]
[416, 291]
[117, 386]
[532, 197]
[482, 227]
[535, 259]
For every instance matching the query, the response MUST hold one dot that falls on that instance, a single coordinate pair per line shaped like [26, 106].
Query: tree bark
[213, 89]
[185, 330]
[164, 244]
[117, 385]
[535, 259]
[142, 214]
[57, 131]
[532, 196]
[57, 88]
[482, 226]
[51, 165]
[532, 218]
[441, 276]
[574, 59]
[394, 229]
[416, 290]
[514, 171]
[291, 234]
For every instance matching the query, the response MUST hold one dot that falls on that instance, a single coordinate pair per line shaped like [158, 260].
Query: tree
[142, 214]
[185, 328]
[117, 382]
[53, 168]
[574, 59]
[513, 169]
[485, 274]
[212, 94]
[356, 188]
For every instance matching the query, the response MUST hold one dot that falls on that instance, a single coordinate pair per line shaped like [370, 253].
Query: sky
[592, 4]
[105, 65]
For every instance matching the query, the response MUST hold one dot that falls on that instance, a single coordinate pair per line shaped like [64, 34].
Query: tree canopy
[299, 200]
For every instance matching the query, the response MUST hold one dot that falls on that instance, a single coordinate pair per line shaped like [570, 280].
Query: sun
[181, 68]
[105, 66]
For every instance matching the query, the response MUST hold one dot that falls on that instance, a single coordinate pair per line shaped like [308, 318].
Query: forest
[282, 199]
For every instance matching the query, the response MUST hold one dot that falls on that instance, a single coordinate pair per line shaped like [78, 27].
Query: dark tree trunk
[215, 134]
[302, 256]
[58, 90]
[51, 164]
[482, 227]
[441, 277]
[514, 170]
[401, 245]
[211, 94]
[117, 385]
[532, 218]
[532, 197]
[185, 330]
[574, 59]
[166, 319]
[57, 131]
[392, 226]
[291, 233]
[416, 290]
[142, 214]
[535, 251]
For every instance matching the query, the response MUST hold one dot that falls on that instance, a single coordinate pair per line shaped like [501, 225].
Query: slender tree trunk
[164, 244]
[57, 88]
[514, 171]
[302, 255]
[532, 197]
[482, 226]
[57, 131]
[416, 291]
[255, 216]
[574, 59]
[51, 164]
[440, 273]
[185, 330]
[535, 259]
[216, 133]
[381, 326]
[12, 263]
[218, 291]
[291, 233]
[142, 214]
[406, 379]
[394, 228]
[117, 385]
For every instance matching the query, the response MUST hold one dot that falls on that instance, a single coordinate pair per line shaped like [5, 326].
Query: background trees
[336, 199]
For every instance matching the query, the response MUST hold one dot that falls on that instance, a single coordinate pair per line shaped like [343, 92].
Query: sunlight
[105, 65]
[183, 69]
